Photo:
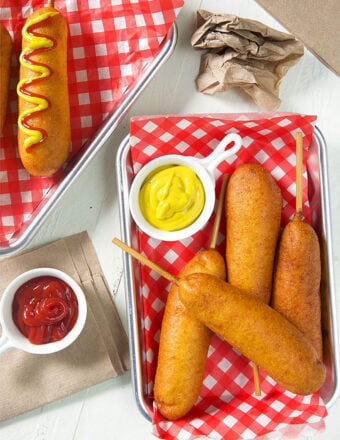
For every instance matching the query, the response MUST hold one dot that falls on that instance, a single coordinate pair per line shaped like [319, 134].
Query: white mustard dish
[204, 169]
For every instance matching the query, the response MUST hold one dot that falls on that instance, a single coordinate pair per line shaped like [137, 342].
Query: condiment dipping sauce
[45, 309]
[172, 197]
[42, 311]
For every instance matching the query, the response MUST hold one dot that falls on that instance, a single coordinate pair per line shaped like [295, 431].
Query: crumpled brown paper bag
[243, 53]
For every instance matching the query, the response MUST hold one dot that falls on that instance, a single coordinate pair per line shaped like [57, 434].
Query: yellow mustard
[34, 43]
[172, 197]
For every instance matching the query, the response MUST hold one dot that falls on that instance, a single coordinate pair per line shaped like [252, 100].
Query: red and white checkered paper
[227, 406]
[110, 42]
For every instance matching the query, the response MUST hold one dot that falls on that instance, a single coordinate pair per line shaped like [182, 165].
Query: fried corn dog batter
[255, 329]
[253, 214]
[296, 291]
[184, 344]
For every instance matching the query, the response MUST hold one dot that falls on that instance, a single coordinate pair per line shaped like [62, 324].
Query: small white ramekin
[12, 337]
[204, 169]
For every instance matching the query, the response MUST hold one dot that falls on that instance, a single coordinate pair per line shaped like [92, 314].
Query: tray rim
[325, 203]
[80, 161]
[131, 301]
[131, 308]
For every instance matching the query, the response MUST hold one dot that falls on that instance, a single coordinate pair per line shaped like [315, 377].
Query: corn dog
[296, 291]
[5, 58]
[253, 215]
[184, 344]
[44, 115]
[255, 329]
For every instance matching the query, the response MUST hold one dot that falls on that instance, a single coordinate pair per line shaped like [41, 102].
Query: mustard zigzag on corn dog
[44, 131]
[35, 43]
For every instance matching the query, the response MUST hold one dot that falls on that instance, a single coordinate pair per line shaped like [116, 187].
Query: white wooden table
[108, 411]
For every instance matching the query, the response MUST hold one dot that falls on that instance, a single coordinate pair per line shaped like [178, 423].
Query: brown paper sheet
[243, 53]
[315, 22]
[29, 381]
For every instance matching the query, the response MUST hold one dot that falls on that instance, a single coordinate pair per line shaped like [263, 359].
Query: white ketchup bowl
[204, 169]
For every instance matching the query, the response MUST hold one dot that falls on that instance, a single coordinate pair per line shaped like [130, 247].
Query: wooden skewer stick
[218, 216]
[50, 3]
[257, 383]
[298, 201]
[145, 260]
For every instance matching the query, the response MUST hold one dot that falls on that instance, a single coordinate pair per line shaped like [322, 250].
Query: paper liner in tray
[227, 406]
[110, 44]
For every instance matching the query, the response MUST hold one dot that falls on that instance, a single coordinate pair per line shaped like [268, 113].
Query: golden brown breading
[184, 343]
[296, 291]
[253, 216]
[5, 62]
[255, 329]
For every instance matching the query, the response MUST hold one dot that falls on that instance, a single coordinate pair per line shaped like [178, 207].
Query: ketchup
[45, 309]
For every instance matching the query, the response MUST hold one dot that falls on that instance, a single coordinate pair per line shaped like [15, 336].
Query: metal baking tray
[79, 162]
[320, 206]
